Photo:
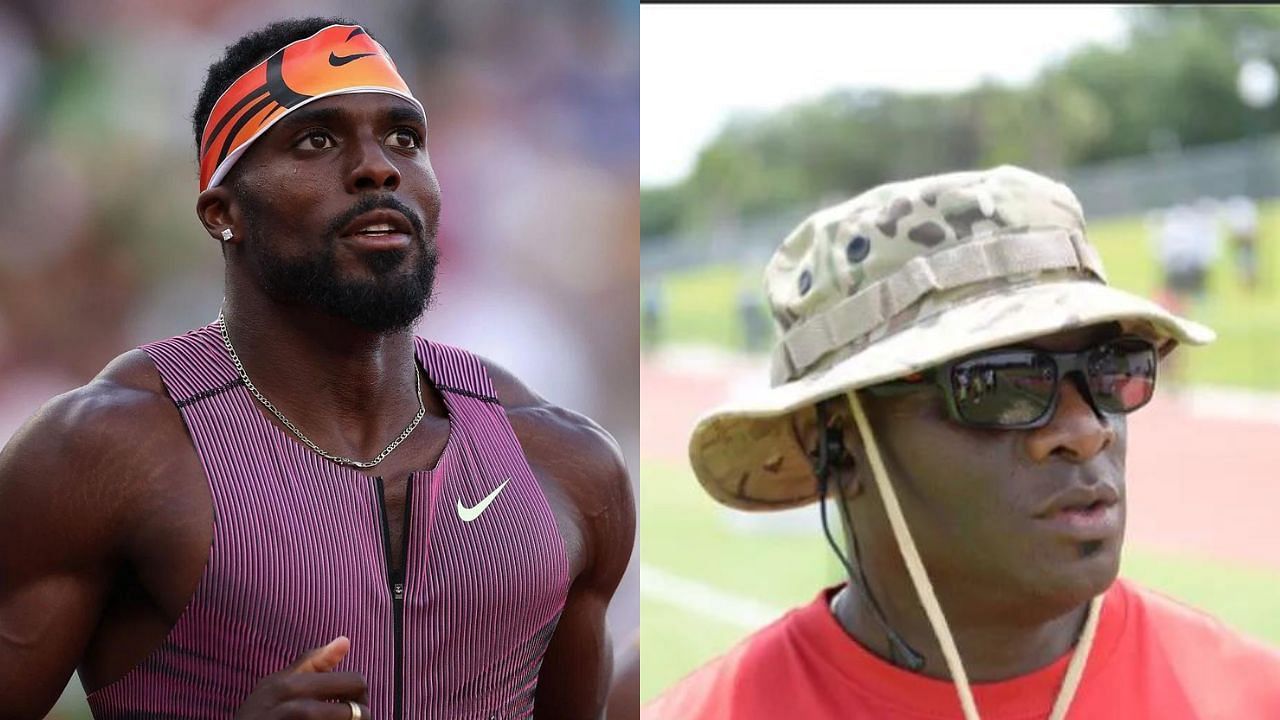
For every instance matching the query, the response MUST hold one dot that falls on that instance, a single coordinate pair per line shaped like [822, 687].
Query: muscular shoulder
[582, 458]
[82, 458]
[105, 418]
[587, 459]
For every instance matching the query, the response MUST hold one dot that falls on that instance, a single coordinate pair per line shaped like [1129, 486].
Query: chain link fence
[1126, 186]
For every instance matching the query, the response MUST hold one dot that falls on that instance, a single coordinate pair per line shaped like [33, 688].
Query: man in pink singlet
[302, 510]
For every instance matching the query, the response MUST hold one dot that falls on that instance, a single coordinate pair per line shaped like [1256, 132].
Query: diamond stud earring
[227, 234]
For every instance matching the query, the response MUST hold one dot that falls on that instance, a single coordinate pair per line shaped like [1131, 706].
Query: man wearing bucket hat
[954, 371]
[301, 509]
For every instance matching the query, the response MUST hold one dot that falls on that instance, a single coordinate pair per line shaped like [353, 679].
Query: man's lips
[1084, 512]
[378, 242]
[381, 221]
[1079, 498]
[381, 229]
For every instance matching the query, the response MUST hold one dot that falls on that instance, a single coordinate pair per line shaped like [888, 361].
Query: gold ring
[356, 714]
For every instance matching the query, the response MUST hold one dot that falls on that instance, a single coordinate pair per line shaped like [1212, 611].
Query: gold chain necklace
[244, 377]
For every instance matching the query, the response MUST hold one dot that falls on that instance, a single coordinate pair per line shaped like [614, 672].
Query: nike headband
[337, 60]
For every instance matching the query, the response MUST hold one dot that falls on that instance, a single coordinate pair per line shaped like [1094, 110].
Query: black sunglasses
[1017, 388]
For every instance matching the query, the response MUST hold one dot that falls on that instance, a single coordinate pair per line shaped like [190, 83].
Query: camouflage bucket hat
[899, 279]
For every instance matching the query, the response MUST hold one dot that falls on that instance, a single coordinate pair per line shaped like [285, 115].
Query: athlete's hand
[310, 689]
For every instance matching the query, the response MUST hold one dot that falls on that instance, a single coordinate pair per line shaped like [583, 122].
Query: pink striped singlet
[299, 556]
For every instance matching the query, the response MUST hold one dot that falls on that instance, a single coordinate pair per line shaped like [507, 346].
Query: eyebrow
[330, 116]
[404, 114]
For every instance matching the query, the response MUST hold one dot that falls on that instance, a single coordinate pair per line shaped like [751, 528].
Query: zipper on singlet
[396, 581]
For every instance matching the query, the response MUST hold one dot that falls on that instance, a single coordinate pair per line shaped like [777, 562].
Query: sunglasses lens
[1003, 389]
[1122, 375]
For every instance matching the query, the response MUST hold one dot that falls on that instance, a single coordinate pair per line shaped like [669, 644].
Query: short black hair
[251, 49]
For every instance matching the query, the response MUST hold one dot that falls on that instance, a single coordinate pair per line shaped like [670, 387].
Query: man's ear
[218, 211]
[826, 432]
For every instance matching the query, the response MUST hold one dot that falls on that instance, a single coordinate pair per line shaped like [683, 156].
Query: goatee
[390, 301]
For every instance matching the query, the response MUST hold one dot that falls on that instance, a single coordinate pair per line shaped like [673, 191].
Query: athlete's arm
[592, 486]
[578, 668]
[82, 501]
[64, 501]
[624, 696]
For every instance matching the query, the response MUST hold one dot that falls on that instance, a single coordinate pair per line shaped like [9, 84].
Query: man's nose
[371, 169]
[1076, 432]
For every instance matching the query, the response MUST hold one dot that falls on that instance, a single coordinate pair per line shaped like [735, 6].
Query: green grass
[682, 532]
[701, 304]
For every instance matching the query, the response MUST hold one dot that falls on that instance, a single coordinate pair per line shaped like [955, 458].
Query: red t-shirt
[1151, 658]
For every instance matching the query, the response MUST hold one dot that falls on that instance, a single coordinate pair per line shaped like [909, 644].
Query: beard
[390, 301]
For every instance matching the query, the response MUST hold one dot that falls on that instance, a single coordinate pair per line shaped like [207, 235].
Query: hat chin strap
[924, 588]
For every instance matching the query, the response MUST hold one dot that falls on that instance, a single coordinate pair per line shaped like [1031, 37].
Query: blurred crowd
[533, 117]
[1187, 239]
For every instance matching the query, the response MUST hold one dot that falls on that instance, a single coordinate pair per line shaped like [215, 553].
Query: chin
[1088, 569]
[386, 262]
[1097, 566]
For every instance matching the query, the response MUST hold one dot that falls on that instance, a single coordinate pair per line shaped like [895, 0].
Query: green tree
[1172, 81]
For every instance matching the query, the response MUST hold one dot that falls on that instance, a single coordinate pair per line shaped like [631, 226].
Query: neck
[997, 649]
[349, 390]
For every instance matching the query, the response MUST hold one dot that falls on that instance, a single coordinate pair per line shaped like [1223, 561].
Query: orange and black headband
[337, 60]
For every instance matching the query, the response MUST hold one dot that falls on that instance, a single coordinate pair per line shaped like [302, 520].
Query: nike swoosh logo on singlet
[467, 514]
[336, 61]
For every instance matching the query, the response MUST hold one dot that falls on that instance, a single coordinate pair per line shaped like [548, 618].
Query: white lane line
[706, 600]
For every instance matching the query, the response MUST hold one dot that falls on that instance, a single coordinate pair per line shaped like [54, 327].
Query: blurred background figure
[756, 331]
[651, 303]
[1240, 215]
[1186, 245]
[534, 135]
[740, 146]
[1187, 242]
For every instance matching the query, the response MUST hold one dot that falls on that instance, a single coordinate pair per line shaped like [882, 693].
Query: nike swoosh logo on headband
[336, 61]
